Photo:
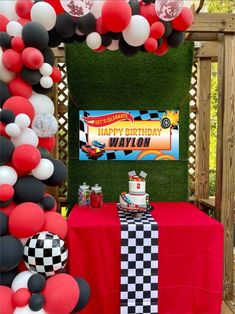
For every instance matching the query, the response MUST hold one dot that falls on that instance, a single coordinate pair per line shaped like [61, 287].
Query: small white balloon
[46, 69]
[14, 29]
[93, 40]
[5, 75]
[44, 14]
[137, 31]
[22, 120]
[13, 130]
[97, 8]
[114, 45]
[46, 81]
[8, 175]
[42, 103]
[26, 310]
[21, 280]
[27, 136]
[44, 170]
[45, 125]
[168, 10]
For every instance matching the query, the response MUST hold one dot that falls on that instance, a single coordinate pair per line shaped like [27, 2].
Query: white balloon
[77, 7]
[168, 10]
[46, 69]
[5, 75]
[27, 136]
[97, 8]
[7, 8]
[14, 29]
[46, 81]
[45, 125]
[114, 45]
[8, 175]
[93, 40]
[42, 103]
[13, 130]
[43, 13]
[21, 280]
[22, 120]
[78, 32]
[26, 310]
[137, 31]
[44, 170]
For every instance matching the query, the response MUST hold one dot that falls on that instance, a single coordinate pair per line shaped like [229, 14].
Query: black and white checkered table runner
[139, 264]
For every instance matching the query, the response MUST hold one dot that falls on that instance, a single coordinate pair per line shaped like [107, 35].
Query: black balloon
[175, 39]
[7, 116]
[68, 40]
[126, 49]
[79, 38]
[48, 202]
[59, 175]
[44, 153]
[135, 7]
[4, 93]
[5, 204]
[36, 283]
[11, 253]
[115, 36]
[5, 40]
[35, 35]
[28, 189]
[7, 277]
[160, 41]
[3, 223]
[86, 24]
[148, 1]
[6, 150]
[31, 76]
[84, 294]
[49, 56]
[106, 39]
[168, 28]
[65, 25]
[36, 302]
[54, 38]
[41, 90]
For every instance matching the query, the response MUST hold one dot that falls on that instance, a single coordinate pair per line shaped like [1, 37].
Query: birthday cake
[137, 200]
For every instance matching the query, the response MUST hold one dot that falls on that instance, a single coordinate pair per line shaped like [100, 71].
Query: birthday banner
[129, 135]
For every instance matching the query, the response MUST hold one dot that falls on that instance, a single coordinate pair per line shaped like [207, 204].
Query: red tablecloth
[190, 258]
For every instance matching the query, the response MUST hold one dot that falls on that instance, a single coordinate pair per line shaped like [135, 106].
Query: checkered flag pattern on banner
[139, 264]
[45, 253]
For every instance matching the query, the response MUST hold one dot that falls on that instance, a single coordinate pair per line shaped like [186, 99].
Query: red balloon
[2, 130]
[21, 297]
[11, 59]
[18, 87]
[100, 28]
[6, 192]
[47, 142]
[8, 209]
[20, 172]
[19, 104]
[32, 58]
[183, 20]
[6, 297]
[23, 8]
[26, 157]
[23, 22]
[3, 23]
[22, 267]
[148, 11]
[100, 49]
[61, 293]
[116, 15]
[151, 45]
[17, 44]
[56, 5]
[56, 74]
[26, 219]
[163, 49]
[56, 224]
[157, 30]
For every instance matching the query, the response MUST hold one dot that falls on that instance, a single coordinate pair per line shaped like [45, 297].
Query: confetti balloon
[45, 125]
[168, 10]
[77, 7]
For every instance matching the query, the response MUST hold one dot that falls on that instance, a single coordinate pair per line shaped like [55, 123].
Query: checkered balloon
[45, 253]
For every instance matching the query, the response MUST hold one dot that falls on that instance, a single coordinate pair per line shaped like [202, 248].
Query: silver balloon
[168, 10]
[45, 125]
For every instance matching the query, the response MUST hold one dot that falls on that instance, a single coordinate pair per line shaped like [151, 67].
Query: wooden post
[226, 155]
[203, 129]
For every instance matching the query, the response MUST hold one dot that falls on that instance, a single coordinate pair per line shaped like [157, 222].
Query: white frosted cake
[137, 200]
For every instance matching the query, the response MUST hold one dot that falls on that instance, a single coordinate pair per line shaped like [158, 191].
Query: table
[190, 258]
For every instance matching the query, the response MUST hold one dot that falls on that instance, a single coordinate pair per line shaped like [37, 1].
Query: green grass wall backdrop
[112, 81]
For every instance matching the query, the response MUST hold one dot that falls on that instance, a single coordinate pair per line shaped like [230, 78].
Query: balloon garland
[31, 279]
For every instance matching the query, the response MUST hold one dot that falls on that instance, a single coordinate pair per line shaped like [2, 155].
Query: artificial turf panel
[112, 81]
